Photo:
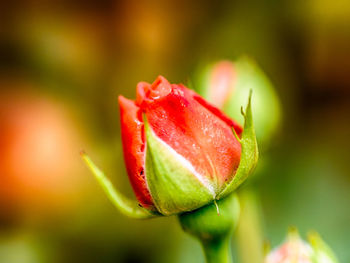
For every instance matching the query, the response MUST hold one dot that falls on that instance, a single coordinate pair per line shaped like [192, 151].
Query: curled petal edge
[125, 205]
[249, 154]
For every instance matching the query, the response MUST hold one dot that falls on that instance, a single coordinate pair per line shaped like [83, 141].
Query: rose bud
[180, 151]
[226, 83]
[296, 250]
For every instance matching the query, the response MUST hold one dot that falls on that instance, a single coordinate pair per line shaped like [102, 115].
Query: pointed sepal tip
[249, 154]
[125, 205]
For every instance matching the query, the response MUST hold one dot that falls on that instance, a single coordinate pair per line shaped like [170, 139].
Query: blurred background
[62, 66]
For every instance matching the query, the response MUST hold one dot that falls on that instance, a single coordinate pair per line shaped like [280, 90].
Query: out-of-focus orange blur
[62, 66]
[39, 171]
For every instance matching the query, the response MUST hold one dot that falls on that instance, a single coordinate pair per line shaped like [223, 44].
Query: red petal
[201, 134]
[218, 113]
[134, 149]
[160, 88]
[141, 89]
[147, 92]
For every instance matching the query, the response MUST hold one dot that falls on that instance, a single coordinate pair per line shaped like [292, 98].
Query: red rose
[180, 151]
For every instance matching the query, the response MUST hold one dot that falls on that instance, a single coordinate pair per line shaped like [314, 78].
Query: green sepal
[266, 105]
[173, 186]
[321, 251]
[125, 205]
[249, 152]
[293, 235]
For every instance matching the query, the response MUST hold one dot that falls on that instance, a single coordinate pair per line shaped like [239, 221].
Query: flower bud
[226, 83]
[295, 250]
[180, 151]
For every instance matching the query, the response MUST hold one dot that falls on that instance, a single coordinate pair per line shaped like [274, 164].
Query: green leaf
[173, 183]
[126, 206]
[249, 154]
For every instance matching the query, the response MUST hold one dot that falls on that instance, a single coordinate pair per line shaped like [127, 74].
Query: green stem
[218, 251]
[213, 226]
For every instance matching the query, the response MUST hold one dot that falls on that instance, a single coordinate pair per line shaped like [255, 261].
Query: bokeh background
[62, 66]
